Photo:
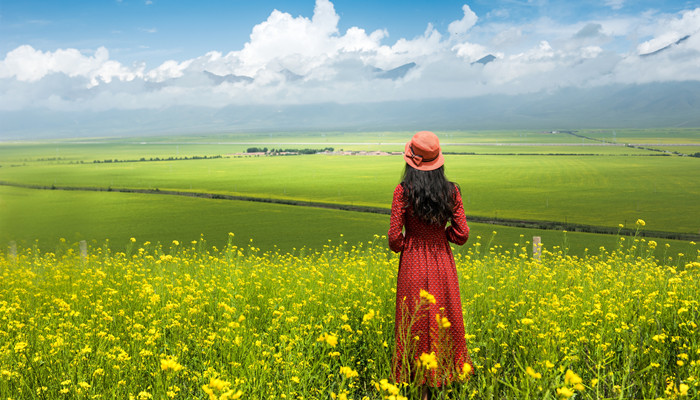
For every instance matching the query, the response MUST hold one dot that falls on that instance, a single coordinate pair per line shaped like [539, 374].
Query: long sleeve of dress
[458, 231]
[396, 236]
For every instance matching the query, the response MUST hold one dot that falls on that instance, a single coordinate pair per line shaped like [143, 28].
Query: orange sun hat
[423, 152]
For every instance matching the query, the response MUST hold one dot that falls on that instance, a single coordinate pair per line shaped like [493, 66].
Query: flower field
[190, 321]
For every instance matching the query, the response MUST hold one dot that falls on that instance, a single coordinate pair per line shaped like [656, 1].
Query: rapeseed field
[191, 321]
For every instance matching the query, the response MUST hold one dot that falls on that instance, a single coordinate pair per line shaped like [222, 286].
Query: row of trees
[144, 159]
[280, 150]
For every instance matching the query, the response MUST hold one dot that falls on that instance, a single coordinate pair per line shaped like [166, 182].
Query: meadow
[551, 188]
[502, 175]
[205, 298]
[190, 321]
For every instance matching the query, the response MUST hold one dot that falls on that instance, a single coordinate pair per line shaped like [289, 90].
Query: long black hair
[430, 195]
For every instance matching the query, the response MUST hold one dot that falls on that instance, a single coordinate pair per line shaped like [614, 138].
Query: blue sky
[97, 55]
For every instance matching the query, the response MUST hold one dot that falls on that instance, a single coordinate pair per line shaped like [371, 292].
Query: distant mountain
[396, 73]
[676, 43]
[621, 106]
[219, 79]
[485, 59]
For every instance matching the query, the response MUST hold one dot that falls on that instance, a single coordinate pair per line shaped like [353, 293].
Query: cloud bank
[298, 60]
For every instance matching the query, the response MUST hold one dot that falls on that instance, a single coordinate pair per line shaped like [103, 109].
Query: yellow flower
[571, 378]
[170, 363]
[565, 392]
[392, 389]
[332, 340]
[20, 346]
[527, 321]
[348, 372]
[466, 371]
[427, 296]
[231, 395]
[683, 388]
[428, 361]
[532, 373]
[218, 384]
[143, 395]
[368, 316]
[641, 222]
[443, 322]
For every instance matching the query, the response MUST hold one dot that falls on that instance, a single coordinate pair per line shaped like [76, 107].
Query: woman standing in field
[430, 344]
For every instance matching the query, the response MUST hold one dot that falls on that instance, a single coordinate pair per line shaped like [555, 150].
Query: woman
[430, 344]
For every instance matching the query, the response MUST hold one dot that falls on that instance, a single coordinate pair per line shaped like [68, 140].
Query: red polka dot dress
[429, 324]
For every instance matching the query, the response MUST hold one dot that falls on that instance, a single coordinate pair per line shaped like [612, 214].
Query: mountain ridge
[670, 104]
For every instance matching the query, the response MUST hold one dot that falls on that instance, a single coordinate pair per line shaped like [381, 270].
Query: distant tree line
[280, 150]
[144, 159]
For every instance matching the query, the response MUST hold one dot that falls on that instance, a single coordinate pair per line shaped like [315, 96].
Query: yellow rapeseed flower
[170, 363]
[571, 378]
[532, 373]
[443, 322]
[428, 361]
[640, 222]
[427, 296]
[466, 371]
[20, 346]
[332, 340]
[565, 392]
[348, 372]
[231, 395]
[683, 389]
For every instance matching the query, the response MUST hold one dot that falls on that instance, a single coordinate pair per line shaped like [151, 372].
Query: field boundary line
[511, 222]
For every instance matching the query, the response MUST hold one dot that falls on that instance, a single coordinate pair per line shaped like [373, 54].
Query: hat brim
[424, 166]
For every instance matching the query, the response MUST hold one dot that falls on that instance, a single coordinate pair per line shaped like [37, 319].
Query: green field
[611, 185]
[590, 190]
[71, 150]
[98, 217]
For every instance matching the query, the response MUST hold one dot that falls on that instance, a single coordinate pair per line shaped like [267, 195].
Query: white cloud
[615, 4]
[30, 65]
[290, 60]
[461, 27]
[669, 30]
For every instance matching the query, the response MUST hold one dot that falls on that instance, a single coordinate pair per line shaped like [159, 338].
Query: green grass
[666, 136]
[594, 190]
[68, 150]
[46, 216]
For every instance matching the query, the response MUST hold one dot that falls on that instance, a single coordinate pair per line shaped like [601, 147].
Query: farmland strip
[520, 223]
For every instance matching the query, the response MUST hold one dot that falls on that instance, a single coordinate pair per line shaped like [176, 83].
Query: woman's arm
[396, 236]
[458, 231]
